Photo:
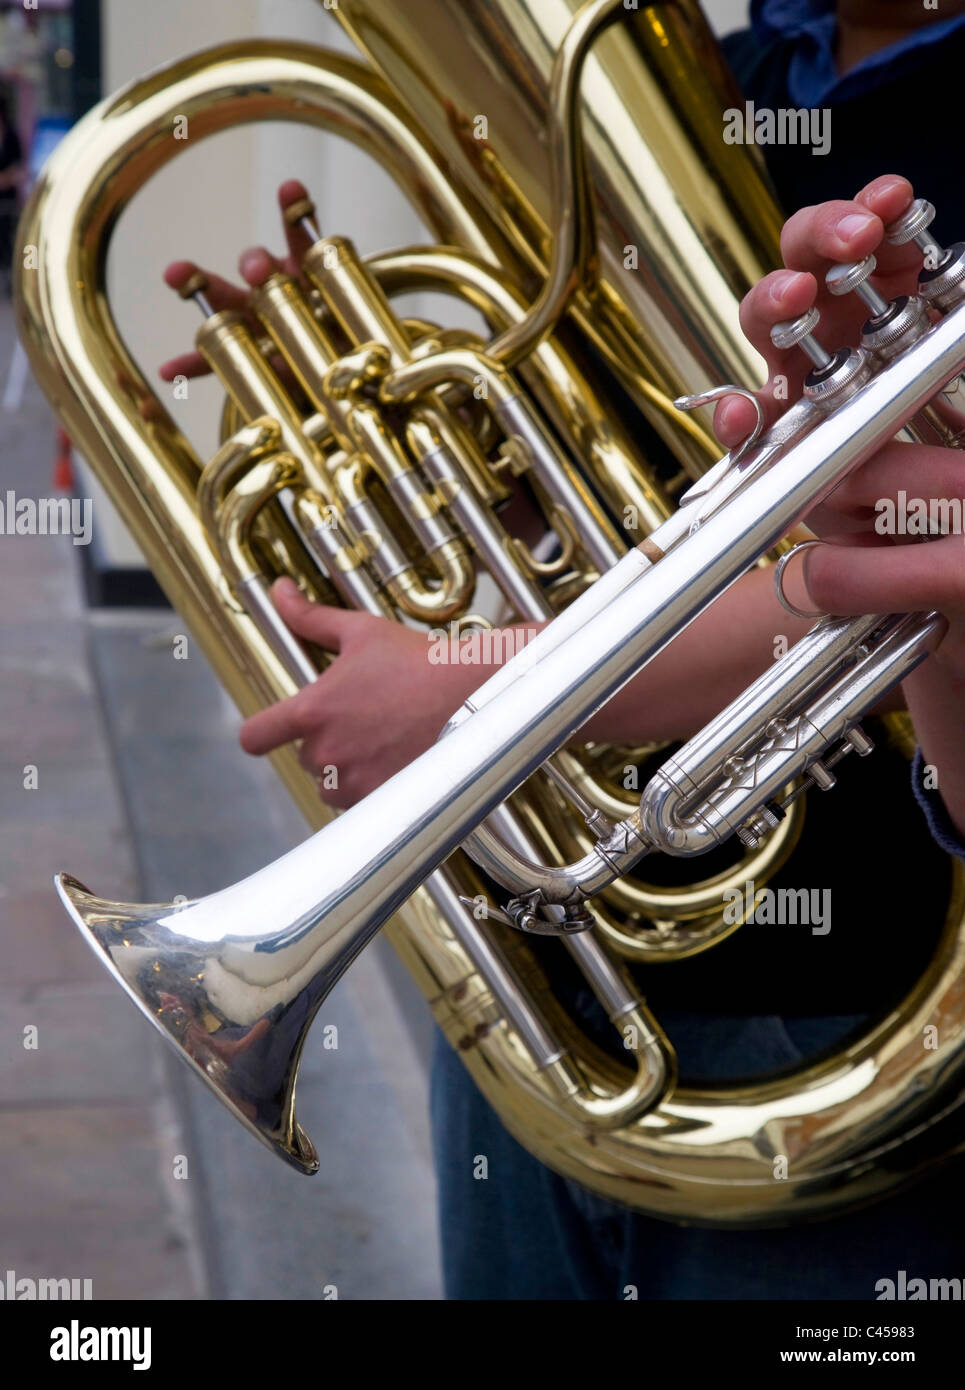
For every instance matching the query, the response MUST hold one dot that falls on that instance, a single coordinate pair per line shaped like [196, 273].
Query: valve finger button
[301, 207]
[852, 277]
[849, 275]
[302, 213]
[790, 332]
[912, 225]
[799, 332]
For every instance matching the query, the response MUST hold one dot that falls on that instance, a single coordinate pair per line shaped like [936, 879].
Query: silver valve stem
[913, 225]
[194, 288]
[301, 213]
[799, 332]
[852, 277]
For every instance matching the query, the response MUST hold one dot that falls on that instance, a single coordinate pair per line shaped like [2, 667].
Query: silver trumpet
[235, 979]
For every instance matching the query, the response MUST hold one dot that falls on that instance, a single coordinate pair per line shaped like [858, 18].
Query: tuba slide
[568, 162]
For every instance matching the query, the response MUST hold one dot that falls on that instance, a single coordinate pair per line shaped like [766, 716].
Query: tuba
[599, 226]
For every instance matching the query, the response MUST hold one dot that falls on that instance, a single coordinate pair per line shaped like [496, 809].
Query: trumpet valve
[799, 332]
[853, 277]
[913, 225]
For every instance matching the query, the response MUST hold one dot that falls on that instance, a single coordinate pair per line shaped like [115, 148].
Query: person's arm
[386, 697]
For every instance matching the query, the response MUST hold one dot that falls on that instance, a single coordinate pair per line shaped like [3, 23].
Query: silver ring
[782, 565]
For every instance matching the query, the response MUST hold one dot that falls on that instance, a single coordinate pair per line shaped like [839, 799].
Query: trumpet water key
[377, 473]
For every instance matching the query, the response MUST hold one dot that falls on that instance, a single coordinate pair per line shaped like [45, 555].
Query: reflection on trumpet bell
[249, 1063]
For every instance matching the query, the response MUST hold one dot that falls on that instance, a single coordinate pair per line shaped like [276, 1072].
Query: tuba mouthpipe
[574, 246]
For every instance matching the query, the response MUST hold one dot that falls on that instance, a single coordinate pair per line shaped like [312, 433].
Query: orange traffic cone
[63, 467]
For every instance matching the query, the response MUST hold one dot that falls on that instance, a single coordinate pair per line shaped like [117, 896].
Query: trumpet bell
[245, 1052]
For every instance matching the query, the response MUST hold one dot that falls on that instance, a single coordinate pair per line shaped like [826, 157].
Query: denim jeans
[526, 1233]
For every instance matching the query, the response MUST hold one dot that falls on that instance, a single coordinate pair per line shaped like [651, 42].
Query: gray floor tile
[40, 945]
[86, 1047]
[90, 1201]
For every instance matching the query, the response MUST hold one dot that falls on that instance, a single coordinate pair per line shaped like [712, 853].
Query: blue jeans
[525, 1233]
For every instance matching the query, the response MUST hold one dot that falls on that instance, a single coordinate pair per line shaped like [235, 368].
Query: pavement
[121, 765]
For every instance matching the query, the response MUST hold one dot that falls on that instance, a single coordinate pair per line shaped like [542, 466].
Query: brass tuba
[606, 235]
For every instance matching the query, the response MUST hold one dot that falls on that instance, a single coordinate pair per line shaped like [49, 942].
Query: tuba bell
[378, 482]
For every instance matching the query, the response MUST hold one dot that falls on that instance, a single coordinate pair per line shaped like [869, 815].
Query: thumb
[320, 623]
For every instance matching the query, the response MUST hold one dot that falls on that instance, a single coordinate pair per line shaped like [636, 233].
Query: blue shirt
[812, 76]
[939, 821]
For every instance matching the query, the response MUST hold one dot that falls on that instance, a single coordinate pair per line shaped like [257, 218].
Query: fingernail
[726, 412]
[287, 587]
[781, 284]
[853, 225]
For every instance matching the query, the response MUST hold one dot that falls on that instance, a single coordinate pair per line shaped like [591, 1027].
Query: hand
[255, 266]
[860, 570]
[812, 241]
[377, 707]
[382, 702]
